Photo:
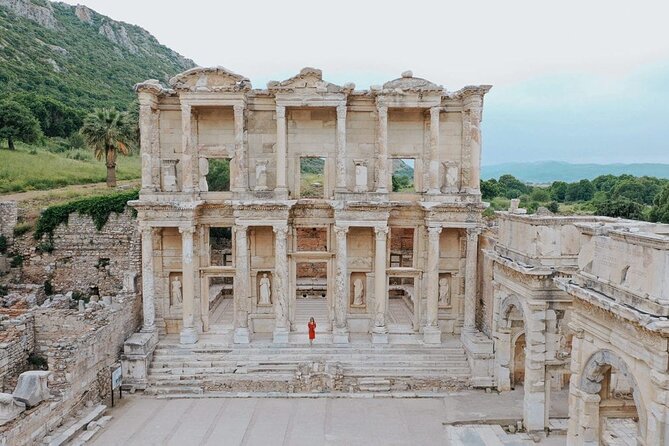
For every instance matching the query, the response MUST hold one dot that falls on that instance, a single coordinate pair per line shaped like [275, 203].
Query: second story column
[281, 150]
[187, 170]
[281, 326]
[242, 287]
[433, 186]
[188, 331]
[382, 150]
[340, 332]
[380, 331]
[471, 280]
[431, 331]
[241, 178]
[471, 128]
[341, 148]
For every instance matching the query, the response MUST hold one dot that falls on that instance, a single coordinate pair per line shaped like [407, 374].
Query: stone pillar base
[380, 335]
[280, 336]
[340, 336]
[136, 358]
[241, 336]
[188, 335]
[431, 335]
[481, 357]
[280, 193]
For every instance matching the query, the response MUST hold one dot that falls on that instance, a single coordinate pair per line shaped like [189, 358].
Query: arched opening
[518, 376]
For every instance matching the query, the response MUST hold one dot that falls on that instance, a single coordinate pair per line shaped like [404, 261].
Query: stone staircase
[264, 367]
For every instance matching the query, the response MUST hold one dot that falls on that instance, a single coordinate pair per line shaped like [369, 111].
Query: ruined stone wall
[484, 310]
[17, 341]
[8, 218]
[83, 257]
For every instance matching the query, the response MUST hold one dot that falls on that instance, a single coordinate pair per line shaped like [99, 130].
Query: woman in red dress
[312, 330]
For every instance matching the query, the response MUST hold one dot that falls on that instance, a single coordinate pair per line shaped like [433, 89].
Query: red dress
[312, 330]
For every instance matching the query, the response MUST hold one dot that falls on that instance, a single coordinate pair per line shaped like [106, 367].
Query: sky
[573, 80]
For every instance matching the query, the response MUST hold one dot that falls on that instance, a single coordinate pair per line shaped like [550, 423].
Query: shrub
[622, 208]
[554, 207]
[22, 228]
[17, 261]
[3, 290]
[37, 362]
[48, 288]
[3, 244]
[45, 246]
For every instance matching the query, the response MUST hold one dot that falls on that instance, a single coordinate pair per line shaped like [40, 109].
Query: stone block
[136, 358]
[32, 387]
[432, 335]
[10, 408]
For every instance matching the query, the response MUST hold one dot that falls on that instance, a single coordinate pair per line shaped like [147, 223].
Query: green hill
[77, 56]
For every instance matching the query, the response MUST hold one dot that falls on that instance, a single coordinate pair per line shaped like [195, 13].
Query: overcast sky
[579, 81]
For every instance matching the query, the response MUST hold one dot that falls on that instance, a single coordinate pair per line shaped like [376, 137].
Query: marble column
[434, 187]
[382, 150]
[187, 168]
[471, 128]
[431, 331]
[155, 149]
[145, 123]
[281, 150]
[148, 288]
[281, 327]
[340, 332]
[188, 331]
[341, 148]
[380, 331]
[242, 287]
[471, 280]
[240, 181]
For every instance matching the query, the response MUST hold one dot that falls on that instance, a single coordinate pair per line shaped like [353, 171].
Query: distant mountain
[548, 171]
[77, 56]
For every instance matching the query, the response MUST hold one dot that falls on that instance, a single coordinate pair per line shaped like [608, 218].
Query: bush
[45, 245]
[554, 207]
[3, 244]
[17, 261]
[622, 208]
[540, 194]
[3, 290]
[37, 362]
[22, 228]
[48, 288]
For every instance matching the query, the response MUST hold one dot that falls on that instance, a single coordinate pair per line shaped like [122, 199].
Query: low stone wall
[17, 341]
[8, 218]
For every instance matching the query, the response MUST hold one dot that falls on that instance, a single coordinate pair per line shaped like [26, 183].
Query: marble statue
[261, 175]
[265, 291]
[204, 171]
[358, 292]
[176, 291]
[444, 292]
[360, 176]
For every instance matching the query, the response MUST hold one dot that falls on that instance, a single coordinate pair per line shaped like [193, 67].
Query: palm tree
[107, 132]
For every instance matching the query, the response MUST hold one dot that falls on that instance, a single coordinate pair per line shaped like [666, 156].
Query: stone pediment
[309, 80]
[408, 83]
[210, 79]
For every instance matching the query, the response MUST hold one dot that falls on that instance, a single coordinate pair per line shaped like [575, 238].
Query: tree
[108, 132]
[511, 187]
[55, 118]
[489, 189]
[642, 190]
[622, 208]
[558, 191]
[17, 123]
[660, 210]
[581, 191]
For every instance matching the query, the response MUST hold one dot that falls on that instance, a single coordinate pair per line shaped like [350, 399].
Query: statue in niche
[169, 171]
[360, 176]
[444, 292]
[177, 298]
[261, 175]
[204, 171]
[265, 291]
[358, 293]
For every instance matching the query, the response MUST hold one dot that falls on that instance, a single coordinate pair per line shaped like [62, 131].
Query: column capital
[381, 232]
[185, 108]
[435, 112]
[382, 110]
[341, 229]
[280, 231]
[473, 233]
[434, 231]
[341, 111]
[187, 230]
[240, 228]
[280, 111]
[239, 108]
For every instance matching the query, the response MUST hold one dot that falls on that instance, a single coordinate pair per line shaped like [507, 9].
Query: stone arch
[506, 337]
[594, 372]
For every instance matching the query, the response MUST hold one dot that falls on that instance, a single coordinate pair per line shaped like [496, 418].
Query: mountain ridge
[542, 172]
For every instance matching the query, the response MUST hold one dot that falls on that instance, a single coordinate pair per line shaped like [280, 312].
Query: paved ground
[140, 420]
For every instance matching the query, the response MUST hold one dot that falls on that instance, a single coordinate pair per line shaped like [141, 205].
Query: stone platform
[214, 364]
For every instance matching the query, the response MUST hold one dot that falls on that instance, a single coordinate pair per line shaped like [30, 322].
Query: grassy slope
[21, 170]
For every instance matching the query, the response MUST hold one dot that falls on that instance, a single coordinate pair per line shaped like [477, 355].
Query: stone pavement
[143, 420]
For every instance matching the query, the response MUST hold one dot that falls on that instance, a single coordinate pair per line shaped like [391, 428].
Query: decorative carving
[176, 297]
[358, 293]
[444, 292]
[265, 293]
[210, 79]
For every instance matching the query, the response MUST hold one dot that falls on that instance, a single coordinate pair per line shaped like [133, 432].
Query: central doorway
[311, 295]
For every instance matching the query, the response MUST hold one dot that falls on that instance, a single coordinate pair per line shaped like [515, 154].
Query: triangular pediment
[308, 80]
[210, 79]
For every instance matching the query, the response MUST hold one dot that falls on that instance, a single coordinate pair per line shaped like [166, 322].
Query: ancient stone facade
[376, 246]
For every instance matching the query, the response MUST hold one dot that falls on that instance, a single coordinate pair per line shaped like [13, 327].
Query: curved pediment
[210, 79]
[308, 79]
[409, 83]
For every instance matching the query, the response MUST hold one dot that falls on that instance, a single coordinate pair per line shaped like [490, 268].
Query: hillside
[543, 172]
[77, 56]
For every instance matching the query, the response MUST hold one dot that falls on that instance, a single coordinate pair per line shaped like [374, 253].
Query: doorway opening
[312, 177]
[221, 300]
[401, 304]
[311, 299]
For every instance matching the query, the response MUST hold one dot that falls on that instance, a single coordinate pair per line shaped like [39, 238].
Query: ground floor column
[431, 331]
[470, 280]
[188, 331]
[281, 327]
[340, 332]
[380, 331]
[241, 285]
[148, 289]
[534, 401]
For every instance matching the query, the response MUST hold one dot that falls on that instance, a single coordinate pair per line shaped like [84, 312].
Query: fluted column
[382, 150]
[380, 331]
[188, 331]
[281, 149]
[431, 331]
[340, 332]
[341, 148]
[241, 177]
[471, 280]
[148, 289]
[242, 288]
[434, 186]
[187, 168]
[281, 327]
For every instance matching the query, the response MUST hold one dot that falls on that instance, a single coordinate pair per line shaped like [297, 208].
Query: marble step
[408, 349]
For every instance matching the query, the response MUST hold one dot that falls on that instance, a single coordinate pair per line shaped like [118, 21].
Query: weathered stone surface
[10, 408]
[32, 388]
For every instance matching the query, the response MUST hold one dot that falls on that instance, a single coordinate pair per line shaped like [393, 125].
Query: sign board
[117, 377]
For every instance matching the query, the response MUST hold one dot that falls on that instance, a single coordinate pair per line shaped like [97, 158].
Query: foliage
[99, 208]
[511, 187]
[489, 189]
[540, 194]
[558, 191]
[45, 246]
[108, 132]
[37, 362]
[660, 210]
[401, 183]
[554, 207]
[218, 178]
[17, 261]
[55, 118]
[3, 244]
[311, 164]
[48, 288]
[642, 190]
[620, 207]
[17, 123]
[22, 228]
[3, 290]
[580, 191]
